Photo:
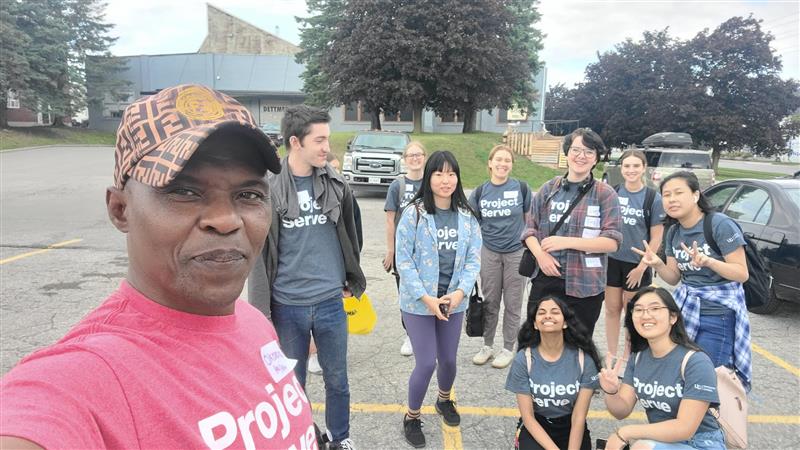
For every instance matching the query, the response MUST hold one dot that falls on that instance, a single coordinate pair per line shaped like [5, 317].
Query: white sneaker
[483, 356]
[502, 359]
[346, 444]
[313, 365]
[406, 349]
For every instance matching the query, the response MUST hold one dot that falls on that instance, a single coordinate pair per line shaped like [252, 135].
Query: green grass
[472, 153]
[726, 174]
[36, 136]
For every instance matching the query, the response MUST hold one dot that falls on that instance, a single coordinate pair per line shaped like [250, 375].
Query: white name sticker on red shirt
[276, 362]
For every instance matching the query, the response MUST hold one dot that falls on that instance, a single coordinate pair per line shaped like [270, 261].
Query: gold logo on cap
[199, 104]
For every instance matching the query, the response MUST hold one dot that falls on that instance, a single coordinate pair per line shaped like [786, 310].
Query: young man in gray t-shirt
[310, 261]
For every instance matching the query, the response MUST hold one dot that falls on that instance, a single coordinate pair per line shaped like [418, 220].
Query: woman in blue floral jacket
[437, 247]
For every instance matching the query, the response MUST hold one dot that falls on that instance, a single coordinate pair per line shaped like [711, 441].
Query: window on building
[406, 115]
[113, 107]
[356, 112]
[511, 115]
[12, 99]
[450, 117]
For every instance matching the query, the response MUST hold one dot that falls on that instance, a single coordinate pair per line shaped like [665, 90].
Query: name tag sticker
[592, 222]
[623, 200]
[409, 188]
[593, 210]
[589, 233]
[593, 262]
[276, 362]
[510, 194]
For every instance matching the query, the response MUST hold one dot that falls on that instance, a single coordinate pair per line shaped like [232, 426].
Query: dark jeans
[586, 309]
[558, 429]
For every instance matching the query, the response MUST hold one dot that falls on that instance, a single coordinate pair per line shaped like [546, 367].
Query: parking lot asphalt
[60, 257]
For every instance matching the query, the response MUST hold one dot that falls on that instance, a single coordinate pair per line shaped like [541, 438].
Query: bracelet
[609, 393]
[620, 437]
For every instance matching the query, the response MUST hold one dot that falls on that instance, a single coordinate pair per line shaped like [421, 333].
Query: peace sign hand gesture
[698, 258]
[609, 375]
[649, 256]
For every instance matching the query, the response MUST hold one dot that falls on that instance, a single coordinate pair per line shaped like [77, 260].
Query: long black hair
[575, 334]
[437, 162]
[694, 185]
[677, 333]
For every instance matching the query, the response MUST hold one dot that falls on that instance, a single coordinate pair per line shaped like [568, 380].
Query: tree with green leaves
[443, 54]
[44, 59]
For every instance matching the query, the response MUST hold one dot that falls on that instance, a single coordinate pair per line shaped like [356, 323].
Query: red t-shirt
[136, 374]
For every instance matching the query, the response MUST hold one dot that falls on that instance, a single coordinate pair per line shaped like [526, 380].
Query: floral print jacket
[418, 260]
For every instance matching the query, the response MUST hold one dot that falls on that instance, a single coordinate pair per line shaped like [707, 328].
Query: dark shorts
[618, 275]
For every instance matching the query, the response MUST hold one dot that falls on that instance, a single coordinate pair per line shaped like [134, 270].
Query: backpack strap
[478, 193]
[649, 198]
[402, 191]
[580, 360]
[685, 361]
[529, 360]
[708, 233]
[523, 187]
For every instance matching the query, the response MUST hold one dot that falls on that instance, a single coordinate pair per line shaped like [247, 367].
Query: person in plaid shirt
[572, 263]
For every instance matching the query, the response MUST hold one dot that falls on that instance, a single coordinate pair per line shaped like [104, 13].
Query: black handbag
[527, 264]
[474, 322]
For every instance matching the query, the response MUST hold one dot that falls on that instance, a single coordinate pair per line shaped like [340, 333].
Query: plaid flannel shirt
[730, 295]
[581, 281]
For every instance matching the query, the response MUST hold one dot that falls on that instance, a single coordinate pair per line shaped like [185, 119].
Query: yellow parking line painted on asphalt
[451, 435]
[778, 361]
[514, 412]
[41, 250]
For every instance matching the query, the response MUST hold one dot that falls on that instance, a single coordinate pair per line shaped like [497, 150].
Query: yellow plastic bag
[361, 316]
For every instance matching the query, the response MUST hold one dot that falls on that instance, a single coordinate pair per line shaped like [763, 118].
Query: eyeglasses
[587, 152]
[415, 155]
[652, 310]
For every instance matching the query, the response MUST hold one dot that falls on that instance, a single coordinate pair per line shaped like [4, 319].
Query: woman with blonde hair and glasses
[501, 204]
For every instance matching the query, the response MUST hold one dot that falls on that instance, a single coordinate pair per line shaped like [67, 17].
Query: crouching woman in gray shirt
[672, 379]
[554, 375]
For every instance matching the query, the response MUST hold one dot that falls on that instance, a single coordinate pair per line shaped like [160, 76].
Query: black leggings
[586, 309]
[558, 429]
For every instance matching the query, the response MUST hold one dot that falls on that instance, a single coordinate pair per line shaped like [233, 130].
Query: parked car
[273, 130]
[373, 159]
[664, 161]
[666, 153]
[768, 212]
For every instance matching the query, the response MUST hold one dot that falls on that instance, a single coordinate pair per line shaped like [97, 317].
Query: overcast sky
[576, 29]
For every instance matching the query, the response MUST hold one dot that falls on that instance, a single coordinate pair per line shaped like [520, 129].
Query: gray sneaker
[344, 444]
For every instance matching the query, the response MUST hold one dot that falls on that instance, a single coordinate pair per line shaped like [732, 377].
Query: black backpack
[649, 198]
[759, 284]
[523, 187]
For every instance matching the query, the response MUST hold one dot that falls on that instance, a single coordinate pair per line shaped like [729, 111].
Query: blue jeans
[715, 336]
[707, 440]
[328, 322]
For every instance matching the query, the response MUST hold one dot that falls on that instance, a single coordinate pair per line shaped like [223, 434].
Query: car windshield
[794, 194]
[685, 160]
[381, 141]
[271, 128]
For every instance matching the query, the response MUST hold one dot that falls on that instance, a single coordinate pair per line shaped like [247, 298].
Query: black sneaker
[412, 430]
[447, 408]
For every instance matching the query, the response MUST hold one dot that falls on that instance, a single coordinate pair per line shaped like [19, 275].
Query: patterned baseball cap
[159, 133]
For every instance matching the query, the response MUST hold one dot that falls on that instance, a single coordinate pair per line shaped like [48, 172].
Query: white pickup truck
[374, 159]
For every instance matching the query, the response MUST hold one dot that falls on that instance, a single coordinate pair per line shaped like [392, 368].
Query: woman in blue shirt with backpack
[710, 296]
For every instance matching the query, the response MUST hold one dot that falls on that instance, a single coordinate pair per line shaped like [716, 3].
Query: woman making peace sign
[710, 297]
